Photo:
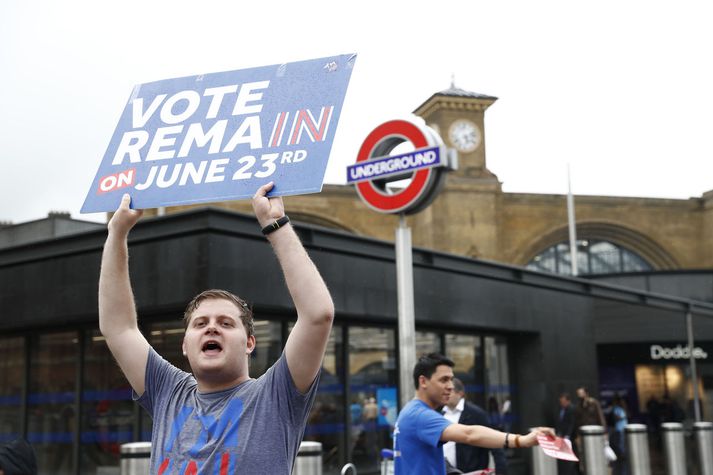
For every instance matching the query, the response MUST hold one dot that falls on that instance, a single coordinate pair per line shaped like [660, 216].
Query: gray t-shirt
[255, 427]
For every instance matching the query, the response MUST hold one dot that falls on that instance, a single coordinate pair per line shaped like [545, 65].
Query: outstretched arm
[117, 312]
[482, 436]
[306, 344]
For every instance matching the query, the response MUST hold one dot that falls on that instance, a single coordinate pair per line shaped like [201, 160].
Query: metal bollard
[704, 441]
[309, 459]
[541, 463]
[674, 448]
[135, 458]
[637, 446]
[595, 462]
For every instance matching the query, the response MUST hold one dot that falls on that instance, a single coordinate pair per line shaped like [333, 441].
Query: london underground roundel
[374, 167]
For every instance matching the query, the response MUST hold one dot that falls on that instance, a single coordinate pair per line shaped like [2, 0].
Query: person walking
[565, 428]
[587, 412]
[617, 438]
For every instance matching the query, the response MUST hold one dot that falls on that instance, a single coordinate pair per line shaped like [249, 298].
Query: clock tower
[458, 116]
[464, 216]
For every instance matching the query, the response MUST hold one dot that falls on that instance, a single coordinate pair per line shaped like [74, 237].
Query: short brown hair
[246, 313]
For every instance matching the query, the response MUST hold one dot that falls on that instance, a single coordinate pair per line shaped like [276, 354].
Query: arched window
[593, 257]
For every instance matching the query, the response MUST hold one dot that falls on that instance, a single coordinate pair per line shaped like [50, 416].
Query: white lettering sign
[679, 352]
[219, 136]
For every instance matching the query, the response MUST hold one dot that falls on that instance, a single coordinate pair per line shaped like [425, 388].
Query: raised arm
[306, 344]
[482, 436]
[117, 311]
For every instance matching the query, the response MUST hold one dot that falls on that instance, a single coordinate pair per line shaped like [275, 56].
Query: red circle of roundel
[393, 203]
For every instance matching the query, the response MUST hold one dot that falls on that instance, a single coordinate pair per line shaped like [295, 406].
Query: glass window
[584, 259]
[51, 402]
[605, 257]
[107, 409]
[427, 342]
[632, 262]
[12, 378]
[497, 379]
[593, 257]
[268, 346]
[373, 383]
[545, 261]
[564, 259]
[326, 421]
[465, 351]
[167, 339]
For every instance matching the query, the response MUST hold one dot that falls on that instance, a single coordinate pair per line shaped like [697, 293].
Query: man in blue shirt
[421, 430]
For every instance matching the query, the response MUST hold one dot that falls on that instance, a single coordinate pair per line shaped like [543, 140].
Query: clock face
[464, 135]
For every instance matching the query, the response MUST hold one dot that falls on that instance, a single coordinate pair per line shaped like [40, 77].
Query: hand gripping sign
[220, 136]
[374, 167]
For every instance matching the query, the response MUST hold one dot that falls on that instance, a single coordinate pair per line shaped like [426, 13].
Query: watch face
[464, 135]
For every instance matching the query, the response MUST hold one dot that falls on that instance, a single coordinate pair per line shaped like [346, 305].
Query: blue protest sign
[219, 136]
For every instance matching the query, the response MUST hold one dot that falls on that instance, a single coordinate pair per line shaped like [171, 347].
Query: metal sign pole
[375, 166]
[407, 325]
[692, 363]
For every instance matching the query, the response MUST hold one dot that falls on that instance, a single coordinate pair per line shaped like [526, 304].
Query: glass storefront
[428, 342]
[268, 346]
[373, 382]
[51, 402]
[655, 381]
[76, 407]
[497, 383]
[481, 362]
[107, 411]
[12, 379]
[326, 422]
[466, 353]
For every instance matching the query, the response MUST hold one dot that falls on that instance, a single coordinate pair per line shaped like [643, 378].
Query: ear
[422, 381]
[250, 344]
[183, 347]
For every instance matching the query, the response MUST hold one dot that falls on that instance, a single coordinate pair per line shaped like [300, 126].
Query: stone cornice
[437, 102]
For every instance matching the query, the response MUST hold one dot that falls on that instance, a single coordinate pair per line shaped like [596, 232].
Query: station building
[668, 240]
[491, 291]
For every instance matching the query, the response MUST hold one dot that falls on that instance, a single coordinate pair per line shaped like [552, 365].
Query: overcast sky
[621, 90]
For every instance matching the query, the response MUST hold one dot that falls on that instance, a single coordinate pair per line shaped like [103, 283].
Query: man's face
[439, 387]
[455, 398]
[581, 393]
[564, 402]
[216, 343]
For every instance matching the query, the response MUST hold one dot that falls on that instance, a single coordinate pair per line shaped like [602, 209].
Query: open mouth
[211, 347]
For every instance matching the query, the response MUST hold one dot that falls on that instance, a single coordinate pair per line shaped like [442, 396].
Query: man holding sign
[218, 420]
